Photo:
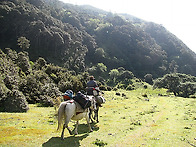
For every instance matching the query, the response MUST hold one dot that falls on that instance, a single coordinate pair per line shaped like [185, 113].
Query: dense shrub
[102, 87]
[15, 102]
[130, 87]
[180, 84]
[23, 62]
[187, 89]
[109, 88]
[3, 94]
[45, 101]
[11, 82]
[148, 79]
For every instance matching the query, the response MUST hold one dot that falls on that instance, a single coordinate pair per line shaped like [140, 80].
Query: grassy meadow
[144, 117]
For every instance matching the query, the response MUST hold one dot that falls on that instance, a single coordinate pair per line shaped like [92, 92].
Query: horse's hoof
[70, 132]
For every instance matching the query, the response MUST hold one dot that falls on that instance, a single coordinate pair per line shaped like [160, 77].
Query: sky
[177, 16]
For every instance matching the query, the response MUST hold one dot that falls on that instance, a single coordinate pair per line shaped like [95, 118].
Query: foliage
[67, 43]
[180, 84]
[148, 78]
[79, 37]
[114, 73]
[22, 83]
[98, 142]
[23, 42]
[15, 102]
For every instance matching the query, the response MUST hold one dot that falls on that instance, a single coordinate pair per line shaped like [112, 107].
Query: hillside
[80, 37]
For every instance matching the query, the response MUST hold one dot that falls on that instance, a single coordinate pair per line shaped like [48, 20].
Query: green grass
[133, 120]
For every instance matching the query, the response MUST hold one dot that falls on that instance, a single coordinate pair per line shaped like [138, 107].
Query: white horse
[72, 110]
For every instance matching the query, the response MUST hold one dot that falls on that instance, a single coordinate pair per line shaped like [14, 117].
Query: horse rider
[92, 86]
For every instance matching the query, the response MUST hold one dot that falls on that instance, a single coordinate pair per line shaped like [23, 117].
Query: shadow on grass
[83, 128]
[71, 141]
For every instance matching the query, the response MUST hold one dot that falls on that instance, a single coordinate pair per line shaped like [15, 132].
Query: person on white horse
[75, 109]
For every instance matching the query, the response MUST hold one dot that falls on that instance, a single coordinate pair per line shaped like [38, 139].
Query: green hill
[80, 37]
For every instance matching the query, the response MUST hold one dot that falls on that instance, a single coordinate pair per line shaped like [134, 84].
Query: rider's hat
[92, 78]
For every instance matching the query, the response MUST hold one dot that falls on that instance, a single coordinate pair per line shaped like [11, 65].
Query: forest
[47, 47]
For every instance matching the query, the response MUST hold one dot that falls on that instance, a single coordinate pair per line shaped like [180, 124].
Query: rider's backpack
[68, 95]
[82, 100]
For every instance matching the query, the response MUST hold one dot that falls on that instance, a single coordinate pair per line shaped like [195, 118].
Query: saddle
[92, 91]
[82, 100]
[79, 109]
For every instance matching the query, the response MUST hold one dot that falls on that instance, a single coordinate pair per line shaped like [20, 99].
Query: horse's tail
[61, 114]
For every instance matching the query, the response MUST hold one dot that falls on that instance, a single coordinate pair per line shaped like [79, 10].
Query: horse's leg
[96, 114]
[66, 126]
[70, 132]
[62, 134]
[76, 128]
[69, 115]
[88, 122]
[90, 115]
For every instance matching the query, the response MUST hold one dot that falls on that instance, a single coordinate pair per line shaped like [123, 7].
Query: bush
[130, 87]
[180, 84]
[148, 79]
[15, 102]
[11, 82]
[23, 62]
[121, 86]
[102, 87]
[109, 88]
[115, 89]
[99, 142]
[186, 89]
[45, 101]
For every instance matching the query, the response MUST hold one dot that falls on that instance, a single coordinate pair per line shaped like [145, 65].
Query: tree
[180, 84]
[114, 74]
[125, 75]
[101, 67]
[23, 62]
[169, 81]
[173, 66]
[148, 78]
[41, 62]
[23, 43]
[100, 52]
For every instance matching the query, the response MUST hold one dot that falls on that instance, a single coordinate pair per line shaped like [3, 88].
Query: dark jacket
[90, 85]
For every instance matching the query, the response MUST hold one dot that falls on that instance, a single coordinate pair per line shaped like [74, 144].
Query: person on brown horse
[91, 85]
[93, 89]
